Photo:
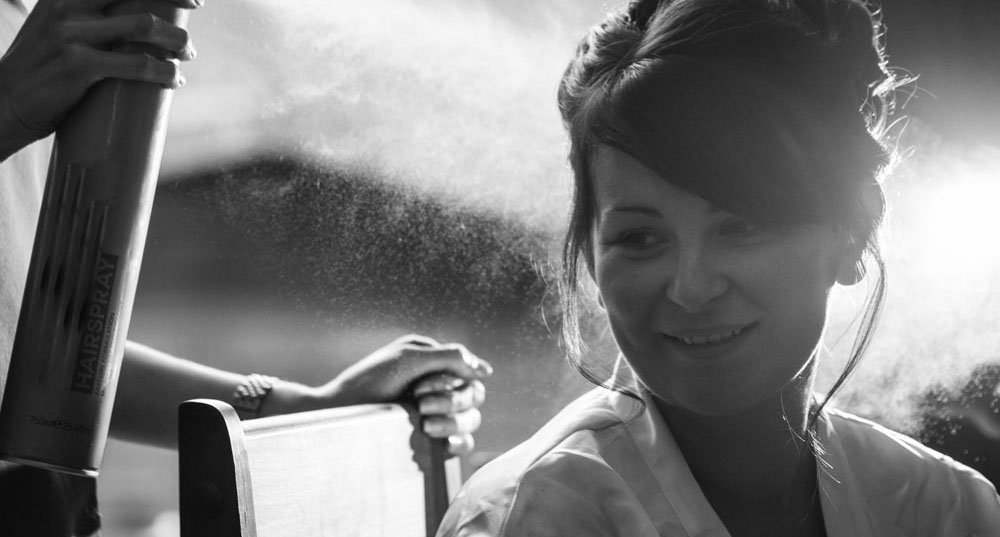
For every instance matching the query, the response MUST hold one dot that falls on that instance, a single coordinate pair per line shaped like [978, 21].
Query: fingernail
[483, 368]
[433, 429]
[461, 444]
[426, 406]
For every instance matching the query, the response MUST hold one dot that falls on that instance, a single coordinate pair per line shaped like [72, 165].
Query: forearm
[445, 377]
[152, 384]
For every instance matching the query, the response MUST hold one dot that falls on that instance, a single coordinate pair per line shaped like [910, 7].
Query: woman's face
[712, 313]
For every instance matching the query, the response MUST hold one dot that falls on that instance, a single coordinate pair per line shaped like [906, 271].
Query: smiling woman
[714, 313]
[726, 156]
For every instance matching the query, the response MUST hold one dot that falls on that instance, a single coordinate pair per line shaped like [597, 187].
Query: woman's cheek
[609, 276]
[627, 287]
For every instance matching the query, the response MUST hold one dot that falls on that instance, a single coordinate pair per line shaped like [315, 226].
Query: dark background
[954, 47]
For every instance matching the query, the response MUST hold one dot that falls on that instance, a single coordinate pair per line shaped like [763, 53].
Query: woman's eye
[635, 240]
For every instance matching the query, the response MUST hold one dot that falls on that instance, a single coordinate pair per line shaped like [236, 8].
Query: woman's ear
[851, 273]
[852, 264]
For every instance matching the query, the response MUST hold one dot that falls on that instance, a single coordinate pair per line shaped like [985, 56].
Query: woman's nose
[696, 281]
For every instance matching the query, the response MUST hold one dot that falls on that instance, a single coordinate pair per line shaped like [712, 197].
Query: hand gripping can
[84, 268]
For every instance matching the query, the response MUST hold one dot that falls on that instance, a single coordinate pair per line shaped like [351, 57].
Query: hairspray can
[84, 267]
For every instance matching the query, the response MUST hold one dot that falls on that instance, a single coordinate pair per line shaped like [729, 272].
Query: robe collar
[846, 509]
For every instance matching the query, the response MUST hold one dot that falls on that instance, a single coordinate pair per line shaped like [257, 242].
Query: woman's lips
[708, 342]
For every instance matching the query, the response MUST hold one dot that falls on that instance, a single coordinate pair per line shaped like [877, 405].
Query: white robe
[595, 471]
[22, 181]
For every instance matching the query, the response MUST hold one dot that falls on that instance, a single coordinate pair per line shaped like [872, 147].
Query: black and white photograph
[499, 268]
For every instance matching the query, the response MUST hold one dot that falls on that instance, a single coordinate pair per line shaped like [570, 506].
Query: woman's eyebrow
[649, 211]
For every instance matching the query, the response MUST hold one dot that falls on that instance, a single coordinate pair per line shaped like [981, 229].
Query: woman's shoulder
[546, 483]
[897, 474]
[888, 449]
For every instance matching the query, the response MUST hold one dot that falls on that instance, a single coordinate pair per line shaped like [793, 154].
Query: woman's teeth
[714, 338]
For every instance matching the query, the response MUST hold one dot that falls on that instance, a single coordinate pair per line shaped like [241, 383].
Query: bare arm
[444, 379]
[152, 384]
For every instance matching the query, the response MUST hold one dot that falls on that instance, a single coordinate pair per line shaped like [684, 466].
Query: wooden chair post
[215, 492]
[442, 473]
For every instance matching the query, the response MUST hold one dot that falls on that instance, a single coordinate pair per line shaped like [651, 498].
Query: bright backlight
[955, 225]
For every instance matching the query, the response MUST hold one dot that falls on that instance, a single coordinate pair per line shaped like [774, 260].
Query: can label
[97, 331]
[62, 425]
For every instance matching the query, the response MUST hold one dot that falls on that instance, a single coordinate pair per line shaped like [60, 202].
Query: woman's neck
[758, 464]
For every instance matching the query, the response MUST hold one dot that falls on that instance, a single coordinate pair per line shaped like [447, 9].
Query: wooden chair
[362, 470]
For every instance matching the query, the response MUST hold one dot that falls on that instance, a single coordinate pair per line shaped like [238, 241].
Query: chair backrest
[364, 470]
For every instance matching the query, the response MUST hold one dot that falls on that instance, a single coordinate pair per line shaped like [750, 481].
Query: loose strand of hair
[869, 321]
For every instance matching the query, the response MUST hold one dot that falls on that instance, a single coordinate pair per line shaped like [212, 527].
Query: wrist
[336, 393]
[287, 397]
[250, 394]
[14, 135]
